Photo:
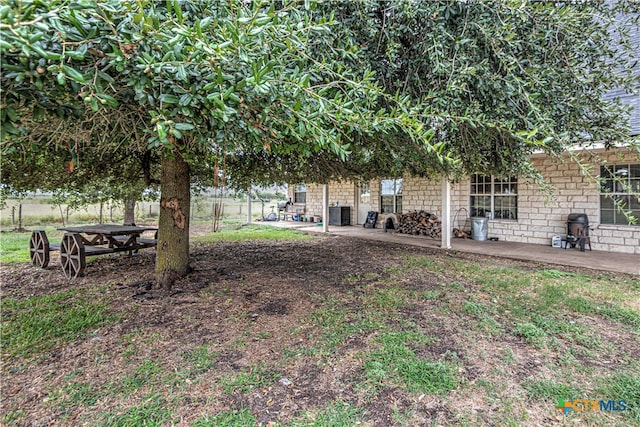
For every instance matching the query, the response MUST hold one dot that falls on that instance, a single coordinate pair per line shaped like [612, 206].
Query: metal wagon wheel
[39, 249]
[72, 256]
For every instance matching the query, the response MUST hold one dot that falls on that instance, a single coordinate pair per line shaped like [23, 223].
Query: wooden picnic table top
[108, 229]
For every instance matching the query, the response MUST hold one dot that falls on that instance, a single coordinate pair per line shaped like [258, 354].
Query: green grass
[153, 411]
[395, 363]
[251, 232]
[550, 390]
[555, 274]
[81, 394]
[624, 385]
[243, 382]
[387, 298]
[233, 418]
[14, 246]
[422, 262]
[569, 298]
[532, 334]
[146, 373]
[567, 329]
[494, 279]
[36, 324]
[337, 324]
[200, 359]
[336, 414]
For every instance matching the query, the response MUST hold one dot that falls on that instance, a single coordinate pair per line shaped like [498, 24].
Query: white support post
[446, 214]
[249, 206]
[325, 208]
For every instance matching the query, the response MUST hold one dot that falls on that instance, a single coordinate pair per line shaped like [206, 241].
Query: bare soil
[248, 303]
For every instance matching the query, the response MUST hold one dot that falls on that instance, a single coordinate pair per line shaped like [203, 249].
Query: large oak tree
[213, 78]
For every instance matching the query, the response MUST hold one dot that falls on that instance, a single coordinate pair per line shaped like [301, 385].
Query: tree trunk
[129, 211]
[20, 217]
[62, 215]
[172, 260]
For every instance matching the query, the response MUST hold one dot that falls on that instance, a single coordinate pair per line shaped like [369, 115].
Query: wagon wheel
[72, 256]
[39, 249]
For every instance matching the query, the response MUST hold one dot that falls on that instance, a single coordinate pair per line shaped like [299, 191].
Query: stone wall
[540, 217]
[344, 193]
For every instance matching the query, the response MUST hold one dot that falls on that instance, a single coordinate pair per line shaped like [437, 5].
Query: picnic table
[81, 241]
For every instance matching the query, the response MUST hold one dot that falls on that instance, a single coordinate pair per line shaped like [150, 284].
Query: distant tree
[68, 163]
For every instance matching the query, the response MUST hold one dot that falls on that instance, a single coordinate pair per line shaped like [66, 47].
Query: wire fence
[36, 212]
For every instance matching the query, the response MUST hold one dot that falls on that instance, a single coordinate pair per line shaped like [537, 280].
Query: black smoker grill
[578, 231]
[282, 206]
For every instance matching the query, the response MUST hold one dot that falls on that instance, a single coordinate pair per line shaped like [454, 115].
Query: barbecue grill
[578, 231]
[282, 206]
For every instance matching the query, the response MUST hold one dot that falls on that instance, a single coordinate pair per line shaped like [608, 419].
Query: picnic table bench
[82, 241]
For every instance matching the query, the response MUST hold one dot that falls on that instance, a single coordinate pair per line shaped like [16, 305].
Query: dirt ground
[247, 302]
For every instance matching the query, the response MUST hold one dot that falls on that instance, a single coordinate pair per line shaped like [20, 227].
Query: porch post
[249, 206]
[446, 214]
[325, 208]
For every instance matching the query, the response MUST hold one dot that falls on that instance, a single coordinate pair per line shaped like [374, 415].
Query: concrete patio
[595, 260]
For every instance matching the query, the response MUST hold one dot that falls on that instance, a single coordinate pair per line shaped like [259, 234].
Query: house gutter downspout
[325, 208]
[446, 214]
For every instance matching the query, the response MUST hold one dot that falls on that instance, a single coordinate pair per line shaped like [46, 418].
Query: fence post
[249, 206]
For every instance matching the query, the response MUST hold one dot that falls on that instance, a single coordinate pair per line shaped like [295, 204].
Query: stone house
[517, 212]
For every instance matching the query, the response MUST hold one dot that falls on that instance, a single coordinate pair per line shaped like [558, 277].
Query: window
[391, 195]
[365, 194]
[494, 197]
[619, 192]
[300, 193]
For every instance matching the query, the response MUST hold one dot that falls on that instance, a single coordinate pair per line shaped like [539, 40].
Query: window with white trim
[492, 197]
[619, 192]
[391, 195]
[300, 193]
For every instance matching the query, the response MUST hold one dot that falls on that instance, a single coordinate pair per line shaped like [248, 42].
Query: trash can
[479, 228]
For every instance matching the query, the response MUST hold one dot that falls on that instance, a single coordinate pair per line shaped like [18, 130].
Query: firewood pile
[419, 223]
[461, 234]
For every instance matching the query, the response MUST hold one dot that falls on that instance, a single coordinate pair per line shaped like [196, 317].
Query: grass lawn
[279, 328]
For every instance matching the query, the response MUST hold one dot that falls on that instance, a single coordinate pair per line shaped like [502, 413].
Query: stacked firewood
[419, 223]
